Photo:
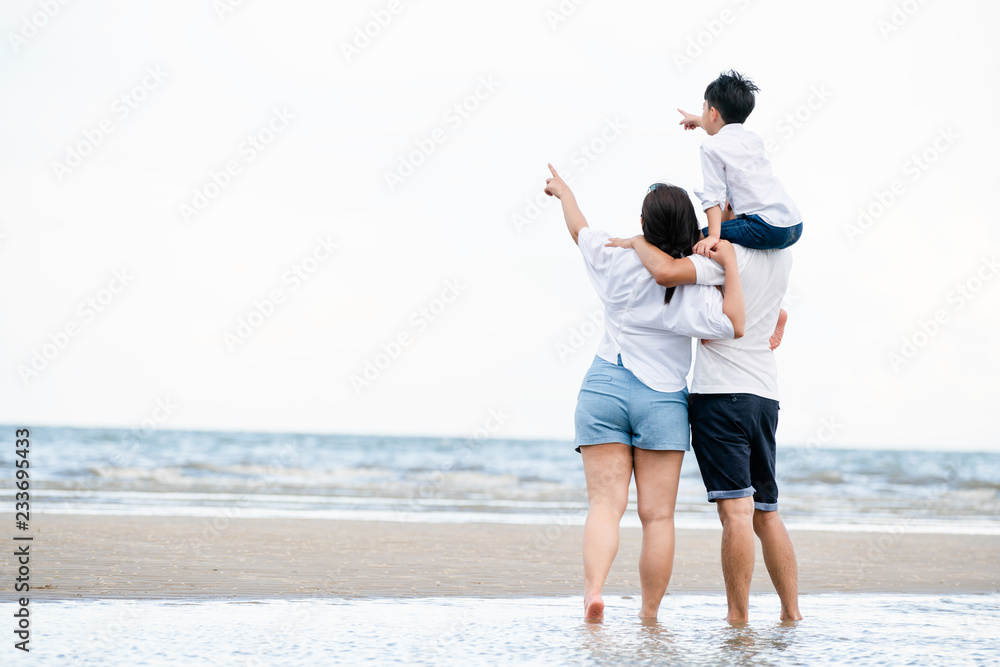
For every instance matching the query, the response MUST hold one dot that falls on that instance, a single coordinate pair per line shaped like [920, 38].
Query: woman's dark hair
[669, 223]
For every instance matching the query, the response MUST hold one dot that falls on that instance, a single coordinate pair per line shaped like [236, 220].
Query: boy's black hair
[732, 94]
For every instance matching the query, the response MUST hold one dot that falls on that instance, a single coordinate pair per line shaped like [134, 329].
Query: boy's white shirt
[745, 365]
[736, 169]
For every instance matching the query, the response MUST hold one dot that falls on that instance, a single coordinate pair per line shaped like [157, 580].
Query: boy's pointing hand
[690, 121]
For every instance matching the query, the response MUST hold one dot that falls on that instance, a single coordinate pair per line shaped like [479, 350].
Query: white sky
[884, 98]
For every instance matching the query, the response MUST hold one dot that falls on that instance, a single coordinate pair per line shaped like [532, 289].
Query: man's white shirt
[745, 365]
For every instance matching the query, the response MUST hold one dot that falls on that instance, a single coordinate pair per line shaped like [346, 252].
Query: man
[734, 415]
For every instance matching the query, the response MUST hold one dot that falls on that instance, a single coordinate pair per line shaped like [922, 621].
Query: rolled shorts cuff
[609, 436]
[766, 507]
[728, 495]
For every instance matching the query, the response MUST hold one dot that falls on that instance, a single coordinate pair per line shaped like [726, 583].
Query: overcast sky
[309, 216]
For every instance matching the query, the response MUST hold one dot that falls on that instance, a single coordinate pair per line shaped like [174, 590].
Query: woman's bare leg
[608, 468]
[656, 478]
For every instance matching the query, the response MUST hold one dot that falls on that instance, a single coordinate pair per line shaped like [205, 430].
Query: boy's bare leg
[779, 330]
[656, 476]
[608, 469]
[779, 556]
[737, 554]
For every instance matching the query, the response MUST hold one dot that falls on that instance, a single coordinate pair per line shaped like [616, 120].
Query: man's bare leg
[656, 478]
[779, 556]
[737, 554]
[608, 468]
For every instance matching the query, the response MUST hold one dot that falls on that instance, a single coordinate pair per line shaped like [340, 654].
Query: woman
[631, 414]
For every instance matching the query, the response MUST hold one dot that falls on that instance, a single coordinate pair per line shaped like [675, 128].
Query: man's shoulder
[769, 260]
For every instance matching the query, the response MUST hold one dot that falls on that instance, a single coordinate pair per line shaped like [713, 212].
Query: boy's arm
[712, 196]
[708, 243]
[690, 121]
[666, 270]
[556, 187]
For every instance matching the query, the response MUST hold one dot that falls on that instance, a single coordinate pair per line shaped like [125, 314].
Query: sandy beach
[85, 556]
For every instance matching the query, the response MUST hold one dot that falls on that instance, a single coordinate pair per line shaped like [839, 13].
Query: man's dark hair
[732, 94]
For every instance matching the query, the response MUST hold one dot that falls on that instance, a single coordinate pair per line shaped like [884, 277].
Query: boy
[758, 213]
[737, 171]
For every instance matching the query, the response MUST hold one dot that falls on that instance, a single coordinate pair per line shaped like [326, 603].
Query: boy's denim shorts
[615, 406]
[733, 439]
[750, 231]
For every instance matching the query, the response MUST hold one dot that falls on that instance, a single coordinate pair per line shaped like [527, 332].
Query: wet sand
[168, 557]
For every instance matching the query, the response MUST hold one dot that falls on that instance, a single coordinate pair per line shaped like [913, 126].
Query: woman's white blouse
[653, 338]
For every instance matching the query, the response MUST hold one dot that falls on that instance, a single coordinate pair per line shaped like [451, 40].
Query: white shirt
[653, 338]
[736, 170]
[745, 365]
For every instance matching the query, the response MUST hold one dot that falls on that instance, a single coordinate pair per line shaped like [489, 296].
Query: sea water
[108, 471]
[838, 629]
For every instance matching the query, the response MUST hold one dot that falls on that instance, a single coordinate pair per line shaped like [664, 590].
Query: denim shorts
[750, 231]
[615, 406]
[733, 438]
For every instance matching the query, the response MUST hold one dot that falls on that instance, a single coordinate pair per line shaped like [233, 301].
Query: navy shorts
[733, 438]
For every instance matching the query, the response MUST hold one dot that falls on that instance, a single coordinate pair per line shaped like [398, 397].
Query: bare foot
[793, 615]
[779, 330]
[737, 617]
[593, 608]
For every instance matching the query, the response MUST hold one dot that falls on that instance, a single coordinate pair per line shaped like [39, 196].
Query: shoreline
[156, 557]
